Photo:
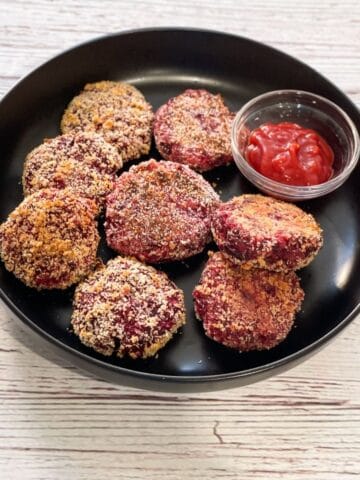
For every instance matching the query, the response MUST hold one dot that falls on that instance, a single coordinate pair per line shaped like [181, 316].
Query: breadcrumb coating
[246, 309]
[260, 231]
[83, 162]
[160, 211]
[50, 240]
[194, 128]
[127, 308]
[118, 111]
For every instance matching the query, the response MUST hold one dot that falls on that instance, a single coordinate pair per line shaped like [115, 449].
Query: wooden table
[57, 423]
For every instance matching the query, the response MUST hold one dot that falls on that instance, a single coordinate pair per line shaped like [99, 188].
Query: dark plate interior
[162, 63]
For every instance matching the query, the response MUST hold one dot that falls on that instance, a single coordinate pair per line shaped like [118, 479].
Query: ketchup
[289, 153]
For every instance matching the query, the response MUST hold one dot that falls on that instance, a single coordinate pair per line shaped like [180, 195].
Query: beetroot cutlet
[127, 308]
[263, 232]
[246, 309]
[194, 128]
[159, 211]
[83, 162]
[118, 111]
[50, 240]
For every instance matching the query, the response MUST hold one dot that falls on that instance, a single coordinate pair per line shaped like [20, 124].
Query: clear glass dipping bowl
[309, 111]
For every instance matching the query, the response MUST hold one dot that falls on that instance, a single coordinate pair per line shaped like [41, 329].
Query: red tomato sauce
[289, 153]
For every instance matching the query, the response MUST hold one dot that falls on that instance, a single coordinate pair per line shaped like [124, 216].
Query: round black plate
[162, 63]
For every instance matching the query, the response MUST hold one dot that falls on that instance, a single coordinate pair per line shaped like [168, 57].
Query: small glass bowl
[310, 111]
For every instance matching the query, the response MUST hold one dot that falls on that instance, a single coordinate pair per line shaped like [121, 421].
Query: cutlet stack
[249, 294]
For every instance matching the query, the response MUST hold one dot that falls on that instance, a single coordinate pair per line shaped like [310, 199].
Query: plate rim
[177, 379]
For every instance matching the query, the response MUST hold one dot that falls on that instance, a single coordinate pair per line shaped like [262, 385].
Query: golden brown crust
[117, 111]
[50, 240]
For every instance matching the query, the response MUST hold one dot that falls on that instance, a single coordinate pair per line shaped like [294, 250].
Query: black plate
[162, 63]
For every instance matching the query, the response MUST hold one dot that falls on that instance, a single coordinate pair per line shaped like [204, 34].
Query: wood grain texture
[58, 423]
